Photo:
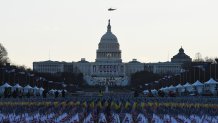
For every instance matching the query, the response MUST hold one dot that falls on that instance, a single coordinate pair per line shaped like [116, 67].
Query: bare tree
[216, 59]
[3, 55]
[198, 57]
[207, 59]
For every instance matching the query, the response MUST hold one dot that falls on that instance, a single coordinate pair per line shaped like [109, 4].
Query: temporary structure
[2, 88]
[211, 84]
[17, 86]
[6, 85]
[180, 88]
[154, 91]
[52, 91]
[36, 90]
[27, 89]
[199, 86]
[172, 88]
[165, 89]
[145, 91]
[41, 90]
[188, 87]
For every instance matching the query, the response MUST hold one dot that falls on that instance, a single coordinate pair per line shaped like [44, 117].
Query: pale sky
[148, 30]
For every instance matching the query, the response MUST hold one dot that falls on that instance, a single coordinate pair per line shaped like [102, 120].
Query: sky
[68, 30]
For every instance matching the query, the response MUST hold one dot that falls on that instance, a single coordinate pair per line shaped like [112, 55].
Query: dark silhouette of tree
[3, 55]
[143, 77]
[208, 59]
[216, 59]
[198, 57]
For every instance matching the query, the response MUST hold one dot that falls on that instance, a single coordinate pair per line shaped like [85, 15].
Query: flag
[92, 104]
[127, 105]
[99, 104]
[84, 104]
[142, 105]
[134, 105]
[102, 118]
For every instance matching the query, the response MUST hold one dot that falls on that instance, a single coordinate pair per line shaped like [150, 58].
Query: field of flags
[110, 110]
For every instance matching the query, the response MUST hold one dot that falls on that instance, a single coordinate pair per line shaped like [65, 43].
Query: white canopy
[211, 81]
[187, 85]
[36, 88]
[17, 86]
[41, 89]
[6, 85]
[52, 90]
[171, 87]
[179, 86]
[154, 90]
[165, 88]
[145, 91]
[197, 83]
[161, 88]
[28, 87]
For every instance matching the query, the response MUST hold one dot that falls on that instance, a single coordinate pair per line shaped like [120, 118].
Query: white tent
[27, 89]
[41, 90]
[197, 83]
[6, 85]
[59, 91]
[211, 81]
[2, 88]
[154, 92]
[199, 86]
[145, 91]
[17, 86]
[35, 90]
[165, 89]
[52, 91]
[188, 87]
[180, 88]
[211, 84]
[161, 88]
[172, 88]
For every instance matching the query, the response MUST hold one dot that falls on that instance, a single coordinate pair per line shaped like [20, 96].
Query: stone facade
[108, 68]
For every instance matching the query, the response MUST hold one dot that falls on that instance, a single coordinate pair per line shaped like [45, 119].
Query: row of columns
[108, 55]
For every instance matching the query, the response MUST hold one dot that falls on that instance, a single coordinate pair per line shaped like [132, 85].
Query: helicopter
[111, 9]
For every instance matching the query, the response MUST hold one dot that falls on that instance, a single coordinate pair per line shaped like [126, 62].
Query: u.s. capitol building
[108, 67]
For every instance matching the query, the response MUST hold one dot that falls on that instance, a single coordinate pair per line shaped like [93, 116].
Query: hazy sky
[149, 30]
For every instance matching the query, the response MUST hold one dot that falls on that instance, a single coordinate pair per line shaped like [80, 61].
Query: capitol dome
[109, 36]
[108, 47]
